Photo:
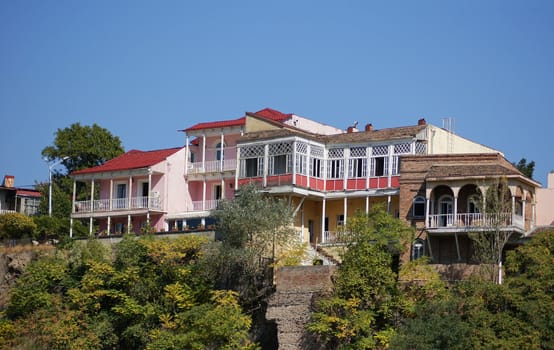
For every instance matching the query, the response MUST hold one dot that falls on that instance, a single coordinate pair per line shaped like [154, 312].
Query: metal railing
[479, 220]
[212, 166]
[207, 205]
[7, 211]
[116, 204]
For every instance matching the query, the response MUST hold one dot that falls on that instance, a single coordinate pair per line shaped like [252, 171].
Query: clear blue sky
[145, 69]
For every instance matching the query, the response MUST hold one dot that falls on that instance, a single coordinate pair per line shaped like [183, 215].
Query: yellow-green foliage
[147, 296]
[16, 225]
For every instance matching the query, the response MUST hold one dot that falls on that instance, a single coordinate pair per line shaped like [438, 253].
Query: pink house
[132, 190]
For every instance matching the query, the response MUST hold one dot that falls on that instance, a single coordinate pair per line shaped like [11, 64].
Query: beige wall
[442, 141]
[545, 203]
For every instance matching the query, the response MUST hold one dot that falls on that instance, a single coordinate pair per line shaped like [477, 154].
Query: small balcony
[477, 221]
[213, 166]
[118, 204]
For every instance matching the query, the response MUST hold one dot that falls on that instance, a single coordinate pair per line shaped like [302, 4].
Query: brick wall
[290, 306]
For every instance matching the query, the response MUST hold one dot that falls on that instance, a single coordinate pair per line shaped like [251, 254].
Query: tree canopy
[526, 168]
[84, 146]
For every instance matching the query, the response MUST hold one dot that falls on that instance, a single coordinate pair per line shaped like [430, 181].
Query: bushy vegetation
[148, 296]
[373, 307]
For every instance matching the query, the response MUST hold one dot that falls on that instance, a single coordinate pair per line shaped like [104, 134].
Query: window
[121, 191]
[335, 170]
[279, 165]
[340, 220]
[379, 161]
[301, 164]
[418, 208]
[217, 192]
[219, 155]
[357, 167]
[315, 169]
[251, 167]
[192, 156]
[379, 166]
[418, 249]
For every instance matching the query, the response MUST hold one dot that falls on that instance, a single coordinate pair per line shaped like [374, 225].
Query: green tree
[85, 146]
[366, 303]
[77, 147]
[526, 169]
[489, 243]
[253, 228]
[16, 225]
[530, 277]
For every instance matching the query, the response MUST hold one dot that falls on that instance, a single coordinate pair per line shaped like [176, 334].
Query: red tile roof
[134, 159]
[268, 113]
[27, 193]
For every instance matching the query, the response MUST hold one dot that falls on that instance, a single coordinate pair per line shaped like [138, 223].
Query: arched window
[418, 207]
[418, 249]
[219, 155]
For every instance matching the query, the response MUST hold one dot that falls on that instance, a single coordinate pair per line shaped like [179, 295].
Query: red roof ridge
[266, 113]
[133, 159]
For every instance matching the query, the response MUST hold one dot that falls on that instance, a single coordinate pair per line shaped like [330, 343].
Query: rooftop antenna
[449, 124]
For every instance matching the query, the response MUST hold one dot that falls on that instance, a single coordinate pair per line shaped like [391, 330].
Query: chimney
[350, 129]
[9, 181]
[421, 122]
[369, 127]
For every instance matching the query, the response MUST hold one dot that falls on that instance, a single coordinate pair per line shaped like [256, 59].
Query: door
[445, 212]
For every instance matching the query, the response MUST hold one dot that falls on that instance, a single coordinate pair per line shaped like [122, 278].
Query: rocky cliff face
[12, 264]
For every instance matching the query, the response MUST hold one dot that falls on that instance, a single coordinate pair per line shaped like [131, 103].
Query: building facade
[424, 174]
[18, 200]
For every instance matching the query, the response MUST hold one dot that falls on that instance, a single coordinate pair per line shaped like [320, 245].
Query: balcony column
[427, 206]
[532, 215]
[148, 198]
[308, 161]
[73, 198]
[111, 194]
[204, 193]
[294, 170]
[92, 196]
[366, 204]
[237, 168]
[367, 171]
[72, 209]
[389, 203]
[389, 166]
[204, 152]
[91, 207]
[108, 228]
[266, 164]
[129, 191]
[187, 152]
[128, 223]
[322, 220]
[524, 204]
[345, 169]
[221, 150]
[345, 204]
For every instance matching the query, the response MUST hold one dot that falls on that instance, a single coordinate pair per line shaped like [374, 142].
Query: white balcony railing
[212, 166]
[6, 211]
[475, 220]
[209, 205]
[117, 204]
